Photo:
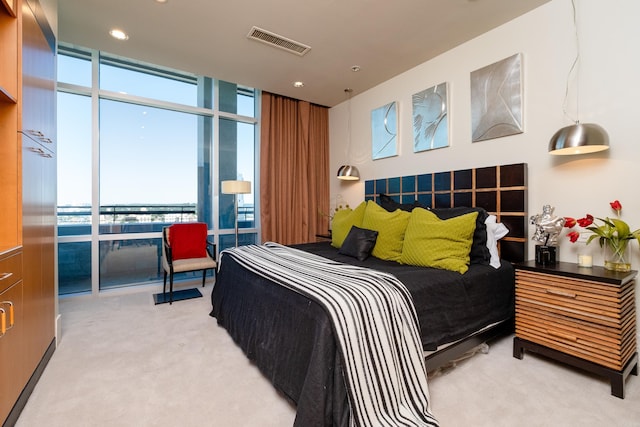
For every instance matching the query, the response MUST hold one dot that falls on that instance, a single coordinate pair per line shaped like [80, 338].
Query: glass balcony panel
[74, 267]
[229, 240]
[134, 262]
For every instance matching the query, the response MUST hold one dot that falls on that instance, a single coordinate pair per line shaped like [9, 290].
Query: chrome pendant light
[577, 138]
[348, 172]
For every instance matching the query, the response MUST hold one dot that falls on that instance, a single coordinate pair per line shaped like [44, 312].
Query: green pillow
[390, 227]
[342, 222]
[432, 242]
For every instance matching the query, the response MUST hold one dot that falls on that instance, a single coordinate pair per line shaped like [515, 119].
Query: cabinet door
[37, 165]
[38, 82]
[13, 373]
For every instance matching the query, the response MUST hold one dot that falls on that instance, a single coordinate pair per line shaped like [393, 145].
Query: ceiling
[384, 38]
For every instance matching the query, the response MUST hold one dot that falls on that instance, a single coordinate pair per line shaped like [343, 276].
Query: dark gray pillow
[391, 205]
[359, 243]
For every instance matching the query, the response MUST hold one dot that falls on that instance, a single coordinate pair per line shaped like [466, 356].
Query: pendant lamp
[578, 138]
[348, 172]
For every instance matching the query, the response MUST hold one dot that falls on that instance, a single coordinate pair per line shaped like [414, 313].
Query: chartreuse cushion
[390, 227]
[342, 222]
[432, 242]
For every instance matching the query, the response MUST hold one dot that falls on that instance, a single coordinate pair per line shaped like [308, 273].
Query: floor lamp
[235, 188]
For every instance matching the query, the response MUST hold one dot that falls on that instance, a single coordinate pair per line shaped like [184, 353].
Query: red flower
[569, 222]
[616, 206]
[573, 236]
[586, 221]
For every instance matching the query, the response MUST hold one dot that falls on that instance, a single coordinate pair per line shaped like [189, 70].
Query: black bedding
[290, 338]
[450, 305]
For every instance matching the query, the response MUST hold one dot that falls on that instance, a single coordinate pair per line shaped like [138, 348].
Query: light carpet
[123, 361]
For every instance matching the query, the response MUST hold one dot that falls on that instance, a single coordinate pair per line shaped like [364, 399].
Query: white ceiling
[208, 37]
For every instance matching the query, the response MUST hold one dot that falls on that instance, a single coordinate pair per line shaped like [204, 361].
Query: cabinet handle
[40, 152]
[563, 336]
[3, 317]
[560, 293]
[36, 133]
[4, 276]
[46, 140]
[11, 318]
[36, 150]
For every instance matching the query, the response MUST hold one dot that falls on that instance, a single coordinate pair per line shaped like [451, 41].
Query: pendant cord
[572, 69]
[348, 92]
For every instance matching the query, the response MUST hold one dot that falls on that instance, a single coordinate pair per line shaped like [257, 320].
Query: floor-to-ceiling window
[142, 147]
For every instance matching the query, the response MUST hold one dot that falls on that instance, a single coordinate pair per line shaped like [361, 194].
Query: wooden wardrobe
[28, 198]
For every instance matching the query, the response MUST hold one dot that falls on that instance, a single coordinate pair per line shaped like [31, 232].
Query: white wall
[609, 94]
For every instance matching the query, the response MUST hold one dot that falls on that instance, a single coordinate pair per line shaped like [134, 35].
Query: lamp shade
[348, 173]
[579, 139]
[236, 187]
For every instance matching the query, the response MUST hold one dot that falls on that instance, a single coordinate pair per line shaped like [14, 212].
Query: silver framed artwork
[496, 99]
[384, 131]
[430, 118]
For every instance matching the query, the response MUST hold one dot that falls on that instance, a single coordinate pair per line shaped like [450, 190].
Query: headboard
[501, 190]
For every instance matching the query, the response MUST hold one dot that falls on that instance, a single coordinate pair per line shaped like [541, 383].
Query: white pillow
[495, 232]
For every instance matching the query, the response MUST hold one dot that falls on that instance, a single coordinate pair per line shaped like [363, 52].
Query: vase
[616, 257]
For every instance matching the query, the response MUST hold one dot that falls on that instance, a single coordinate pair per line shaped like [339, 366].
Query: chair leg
[204, 275]
[164, 285]
[170, 287]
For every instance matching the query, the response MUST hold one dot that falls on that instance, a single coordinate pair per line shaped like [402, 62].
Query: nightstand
[585, 317]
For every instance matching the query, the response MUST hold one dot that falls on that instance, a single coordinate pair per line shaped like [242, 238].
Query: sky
[139, 145]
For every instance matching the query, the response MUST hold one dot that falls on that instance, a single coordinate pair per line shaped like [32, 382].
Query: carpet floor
[123, 361]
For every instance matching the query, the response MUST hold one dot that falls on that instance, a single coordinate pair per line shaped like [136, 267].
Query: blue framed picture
[430, 119]
[384, 131]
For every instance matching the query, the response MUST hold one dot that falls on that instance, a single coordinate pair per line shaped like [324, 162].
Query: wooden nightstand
[585, 317]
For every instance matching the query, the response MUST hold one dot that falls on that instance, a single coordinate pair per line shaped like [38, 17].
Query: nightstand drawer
[605, 346]
[579, 299]
[10, 269]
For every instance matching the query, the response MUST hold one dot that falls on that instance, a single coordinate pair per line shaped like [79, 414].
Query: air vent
[278, 41]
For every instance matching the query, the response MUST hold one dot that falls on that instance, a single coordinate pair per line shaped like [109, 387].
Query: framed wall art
[496, 99]
[384, 131]
[430, 118]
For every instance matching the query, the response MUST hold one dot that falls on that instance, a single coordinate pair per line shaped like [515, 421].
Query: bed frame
[500, 190]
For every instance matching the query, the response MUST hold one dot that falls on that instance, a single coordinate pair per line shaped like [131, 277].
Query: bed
[292, 340]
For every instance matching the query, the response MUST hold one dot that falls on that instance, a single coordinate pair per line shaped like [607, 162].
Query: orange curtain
[294, 170]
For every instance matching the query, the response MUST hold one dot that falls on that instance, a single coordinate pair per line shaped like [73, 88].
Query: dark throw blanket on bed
[374, 324]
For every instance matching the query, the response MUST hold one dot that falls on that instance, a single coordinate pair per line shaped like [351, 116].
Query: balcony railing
[74, 220]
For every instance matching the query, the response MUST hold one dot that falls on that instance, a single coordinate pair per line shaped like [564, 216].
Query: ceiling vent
[278, 41]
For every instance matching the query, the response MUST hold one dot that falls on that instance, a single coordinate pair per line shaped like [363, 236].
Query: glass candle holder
[585, 260]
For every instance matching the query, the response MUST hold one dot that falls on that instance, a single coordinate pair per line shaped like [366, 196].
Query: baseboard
[58, 329]
[13, 416]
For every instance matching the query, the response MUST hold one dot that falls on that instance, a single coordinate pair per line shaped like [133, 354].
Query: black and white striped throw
[375, 325]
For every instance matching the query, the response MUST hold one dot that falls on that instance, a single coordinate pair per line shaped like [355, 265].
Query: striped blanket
[375, 325]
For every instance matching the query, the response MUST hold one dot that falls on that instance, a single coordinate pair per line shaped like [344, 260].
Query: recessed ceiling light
[355, 68]
[118, 34]
[161, 1]
[298, 84]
